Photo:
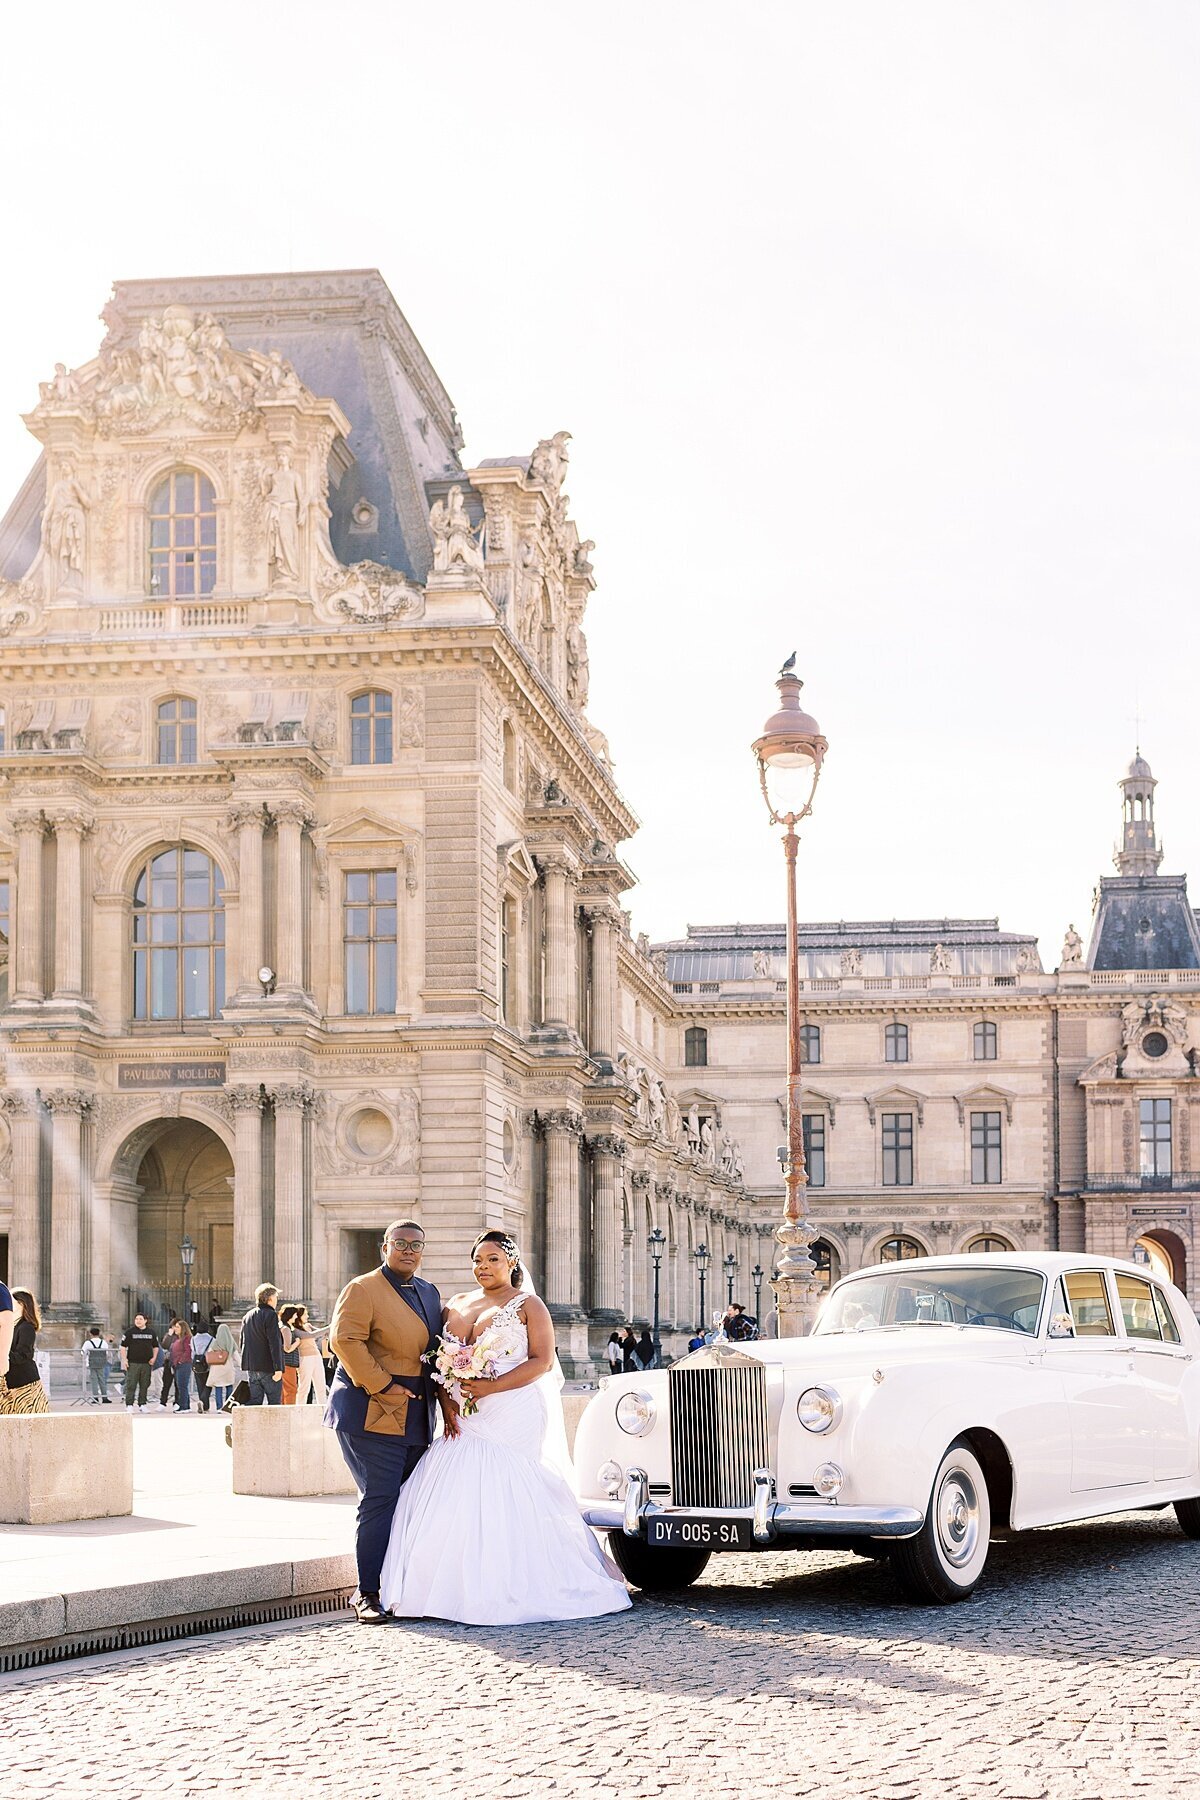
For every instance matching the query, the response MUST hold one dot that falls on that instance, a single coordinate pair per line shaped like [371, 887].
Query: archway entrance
[1166, 1254]
[180, 1179]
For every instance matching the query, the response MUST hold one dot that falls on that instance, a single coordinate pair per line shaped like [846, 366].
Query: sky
[875, 327]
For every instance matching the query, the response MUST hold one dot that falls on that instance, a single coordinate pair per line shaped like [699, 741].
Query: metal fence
[165, 1301]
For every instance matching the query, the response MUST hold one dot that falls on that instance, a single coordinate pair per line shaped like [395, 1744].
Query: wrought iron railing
[1181, 1181]
[162, 1301]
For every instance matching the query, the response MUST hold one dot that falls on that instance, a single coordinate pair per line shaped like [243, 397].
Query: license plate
[700, 1534]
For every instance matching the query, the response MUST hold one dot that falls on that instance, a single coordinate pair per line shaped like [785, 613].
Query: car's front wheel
[656, 1571]
[945, 1560]
[1188, 1514]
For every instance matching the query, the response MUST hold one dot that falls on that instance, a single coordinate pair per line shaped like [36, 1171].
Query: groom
[382, 1399]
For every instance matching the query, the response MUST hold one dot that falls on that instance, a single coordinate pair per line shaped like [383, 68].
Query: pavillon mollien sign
[171, 1075]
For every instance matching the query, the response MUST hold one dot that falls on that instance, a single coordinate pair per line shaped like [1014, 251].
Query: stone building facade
[306, 840]
[309, 866]
[958, 1096]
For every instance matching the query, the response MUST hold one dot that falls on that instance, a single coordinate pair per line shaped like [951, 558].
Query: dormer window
[183, 536]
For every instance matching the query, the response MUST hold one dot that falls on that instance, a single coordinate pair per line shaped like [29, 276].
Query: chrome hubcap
[958, 1518]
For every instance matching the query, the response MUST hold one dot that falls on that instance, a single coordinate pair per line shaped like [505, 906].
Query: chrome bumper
[772, 1521]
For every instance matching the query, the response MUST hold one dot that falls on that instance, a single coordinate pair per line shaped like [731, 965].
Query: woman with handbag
[181, 1363]
[223, 1371]
[202, 1341]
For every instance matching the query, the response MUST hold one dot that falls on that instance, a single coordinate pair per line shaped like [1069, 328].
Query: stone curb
[135, 1603]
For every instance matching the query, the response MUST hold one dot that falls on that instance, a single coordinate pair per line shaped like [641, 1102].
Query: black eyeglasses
[415, 1245]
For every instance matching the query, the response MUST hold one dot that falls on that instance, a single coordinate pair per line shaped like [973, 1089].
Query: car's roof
[1047, 1262]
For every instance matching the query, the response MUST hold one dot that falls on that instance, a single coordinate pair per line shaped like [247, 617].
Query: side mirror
[1062, 1325]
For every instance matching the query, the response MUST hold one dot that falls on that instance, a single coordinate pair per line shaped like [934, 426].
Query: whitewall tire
[945, 1560]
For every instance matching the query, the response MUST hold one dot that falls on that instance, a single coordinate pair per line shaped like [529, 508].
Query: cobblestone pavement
[1074, 1672]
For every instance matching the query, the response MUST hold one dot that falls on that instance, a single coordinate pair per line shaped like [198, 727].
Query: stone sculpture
[455, 540]
[1072, 950]
[283, 493]
[548, 463]
[939, 960]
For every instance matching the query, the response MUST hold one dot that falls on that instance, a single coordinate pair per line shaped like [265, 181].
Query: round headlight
[818, 1409]
[635, 1413]
[828, 1479]
[609, 1477]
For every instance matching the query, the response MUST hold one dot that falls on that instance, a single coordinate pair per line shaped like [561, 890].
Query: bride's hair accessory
[510, 1248]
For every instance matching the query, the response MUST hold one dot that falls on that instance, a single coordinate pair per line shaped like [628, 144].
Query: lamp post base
[796, 1303]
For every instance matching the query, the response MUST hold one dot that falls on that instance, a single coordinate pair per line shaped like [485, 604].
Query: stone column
[30, 828]
[247, 1104]
[292, 1104]
[247, 820]
[292, 820]
[560, 960]
[608, 1153]
[68, 1108]
[563, 1131]
[604, 987]
[70, 829]
[25, 1234]
[640, 1183]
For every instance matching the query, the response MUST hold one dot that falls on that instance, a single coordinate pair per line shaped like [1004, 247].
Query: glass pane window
[178, 937]
[987, 1246]
[1166, 1318]
[371, 728]
[824, 1261]
[177, 731]
[695, 1047]
[810, 1043]
[369, 938]
[895, 1044]
[814, 1148]
[985, 1041]
[897, 1150]
[1088, 1300]
[985, 1146]
[183, 537]
[899, 1249]
[1136, 1300]
[1155, 1123]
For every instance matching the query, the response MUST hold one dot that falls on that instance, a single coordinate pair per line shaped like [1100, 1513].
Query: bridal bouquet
[454, 1362]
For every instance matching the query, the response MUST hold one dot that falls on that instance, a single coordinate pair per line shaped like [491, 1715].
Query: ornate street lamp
[790, 754]
[187, 1256]
[731, 1268]
[656, 1243]
[756, 1276]
[701, 1255]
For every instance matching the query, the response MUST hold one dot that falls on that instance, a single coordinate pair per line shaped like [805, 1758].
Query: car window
[918, 1293]
[1166, 1317]
[1088, 1300]
[1137, 1308]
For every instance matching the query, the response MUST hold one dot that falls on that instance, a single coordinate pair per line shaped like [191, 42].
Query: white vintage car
[937, 1401]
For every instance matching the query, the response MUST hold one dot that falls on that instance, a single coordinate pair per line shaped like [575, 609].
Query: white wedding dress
[487, 1530]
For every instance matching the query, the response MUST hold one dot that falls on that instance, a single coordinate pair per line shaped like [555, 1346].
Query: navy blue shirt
[6, 1300]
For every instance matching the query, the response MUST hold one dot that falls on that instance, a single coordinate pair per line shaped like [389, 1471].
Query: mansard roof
[349, 342]
[1144, 922]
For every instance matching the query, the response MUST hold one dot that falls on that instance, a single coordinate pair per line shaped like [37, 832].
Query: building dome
[1139, 769]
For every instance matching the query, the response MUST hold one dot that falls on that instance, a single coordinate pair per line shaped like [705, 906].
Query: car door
[1112, 1443]
[1161, 1364]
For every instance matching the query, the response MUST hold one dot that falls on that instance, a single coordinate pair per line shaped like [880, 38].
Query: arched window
[895, 1043]
[695, 1047]
[987, 1246]
[899, 1249]
[177, 731]
[178, 937]
[825, 1264]
[371, 727]
[985, 1041]
[810, 1043]
[183, 536]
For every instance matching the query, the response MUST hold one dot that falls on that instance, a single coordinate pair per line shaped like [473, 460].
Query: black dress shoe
[368, 1611]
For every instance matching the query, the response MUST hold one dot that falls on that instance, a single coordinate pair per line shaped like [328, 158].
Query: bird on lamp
[789, 665]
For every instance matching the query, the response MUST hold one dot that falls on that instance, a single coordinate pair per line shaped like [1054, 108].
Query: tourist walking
[612, 1353]
[21, 1390]
[137, 1352]
[167, 1366]
[202, 1341]
[311, 1345]
[95, 1361]
[628, 1350]
[643, 1355]
[180, 1352]
[262, 1348]
[223, 1371]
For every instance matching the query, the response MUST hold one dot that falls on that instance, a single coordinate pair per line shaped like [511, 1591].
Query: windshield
[1006, 1299]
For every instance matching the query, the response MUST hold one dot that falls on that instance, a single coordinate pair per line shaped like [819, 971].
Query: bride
[486, 1530]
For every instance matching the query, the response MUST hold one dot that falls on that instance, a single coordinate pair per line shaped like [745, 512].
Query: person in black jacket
[24, 1392]
[262, 1348]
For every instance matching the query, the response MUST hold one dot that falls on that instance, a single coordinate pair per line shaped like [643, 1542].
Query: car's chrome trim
[781, 1519]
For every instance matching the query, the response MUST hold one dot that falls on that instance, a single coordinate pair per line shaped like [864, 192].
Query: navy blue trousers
[380, 1467]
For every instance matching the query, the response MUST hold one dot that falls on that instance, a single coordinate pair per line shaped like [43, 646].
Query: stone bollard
[59, 1467]
[285, 1451]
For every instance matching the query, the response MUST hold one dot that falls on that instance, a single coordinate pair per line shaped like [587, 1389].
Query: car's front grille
[718, 1432]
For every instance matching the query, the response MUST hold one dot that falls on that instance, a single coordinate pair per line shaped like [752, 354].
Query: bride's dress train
[487, 1530]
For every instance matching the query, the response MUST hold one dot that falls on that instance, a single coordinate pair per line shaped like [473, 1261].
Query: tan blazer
[375, 1334]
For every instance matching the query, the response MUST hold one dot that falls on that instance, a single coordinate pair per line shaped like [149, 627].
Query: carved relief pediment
[364, 827]
[985, 1094]
[902, 1099]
